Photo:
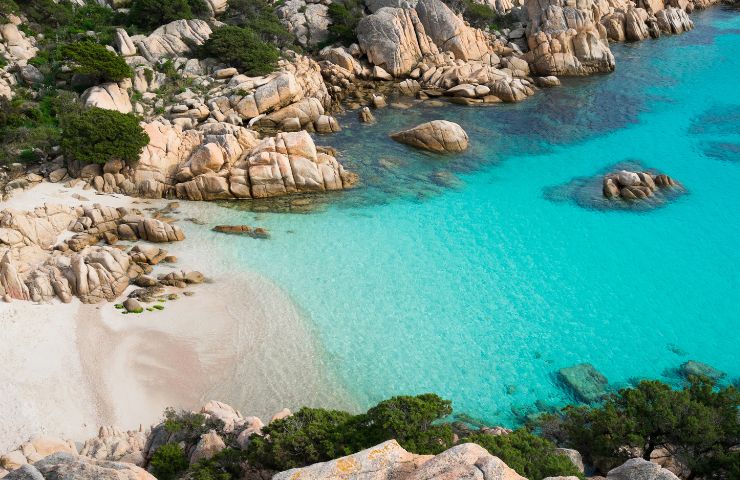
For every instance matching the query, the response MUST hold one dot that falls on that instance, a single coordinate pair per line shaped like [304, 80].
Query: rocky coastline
[230, 136]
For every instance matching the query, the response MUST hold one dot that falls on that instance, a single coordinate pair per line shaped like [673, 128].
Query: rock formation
[37, 266]
[438, 136]
[587, 384]
[221, 161]
[635, 185]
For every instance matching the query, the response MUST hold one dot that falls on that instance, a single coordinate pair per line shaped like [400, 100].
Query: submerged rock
[438, 136]
[587, 384]
[694, 368]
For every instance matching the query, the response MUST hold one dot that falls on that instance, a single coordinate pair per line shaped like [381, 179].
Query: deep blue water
[476, 277]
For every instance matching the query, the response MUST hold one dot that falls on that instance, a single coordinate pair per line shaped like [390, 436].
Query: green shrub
[168, 462]
[531, 456]
[413, 421]
[698, 424]
[310, 435]
[317, 435]
[241, 48]
[48, 13]
[225, 465]
[151, 14]
[344, 15]
[90, 58]
[259, 16]
[99, 135]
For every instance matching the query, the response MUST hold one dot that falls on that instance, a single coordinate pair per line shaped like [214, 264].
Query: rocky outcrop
[640, 469]
[699, 369]
[566, 38]
[389, 461]
[224, 161]
[16, 48]
[175, 39]
[635, 185]
[53, 252]
[438, 136]
[308, 20]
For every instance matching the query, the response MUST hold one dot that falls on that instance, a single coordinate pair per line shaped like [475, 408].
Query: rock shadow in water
[587, 192]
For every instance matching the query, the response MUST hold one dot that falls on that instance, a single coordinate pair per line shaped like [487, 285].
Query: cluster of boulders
[16, 48]
[55, 252]
[218, 161]
[635, 185]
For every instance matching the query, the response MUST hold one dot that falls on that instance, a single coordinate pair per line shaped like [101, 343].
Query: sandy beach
[68, 369]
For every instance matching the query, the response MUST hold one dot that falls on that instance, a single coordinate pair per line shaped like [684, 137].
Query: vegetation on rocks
[29, 125]
[316, 435]
[259, 16]
[168, 461]
[698, 425]
[150, 14]
[530, 455]
[93, 59]
[97, 135]
[241, 48]
[345, 15]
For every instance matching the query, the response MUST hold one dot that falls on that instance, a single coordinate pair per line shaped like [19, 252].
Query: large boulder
[389, 461]
[439, 136]
[640, 469]
[394, 39]
[109, 96]
[449, 32]
[65, 466]
[175, 39]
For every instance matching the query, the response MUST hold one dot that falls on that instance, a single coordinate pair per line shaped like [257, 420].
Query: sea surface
[477, 276]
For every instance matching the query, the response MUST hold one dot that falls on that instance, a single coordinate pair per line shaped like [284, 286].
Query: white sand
[66, 369]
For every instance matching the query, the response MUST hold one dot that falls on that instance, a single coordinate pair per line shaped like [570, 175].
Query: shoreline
[239, 339]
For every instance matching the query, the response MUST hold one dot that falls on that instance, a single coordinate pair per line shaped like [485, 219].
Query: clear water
[481, 288]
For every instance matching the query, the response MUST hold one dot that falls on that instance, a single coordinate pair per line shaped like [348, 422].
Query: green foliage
[698, 424]
[317, 435]
[345, 15]
[411, 421]
[7, 7]
[310, 435]
[189, 423]
[150, 14]
[531, 456]
[98, 135]
[225, 465]
[30, 124]
[48, 13]
[90, 58]
[168, 462]
[241, 48]
[259, 16]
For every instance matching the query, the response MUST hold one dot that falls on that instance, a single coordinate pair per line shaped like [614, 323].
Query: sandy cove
[238, 339]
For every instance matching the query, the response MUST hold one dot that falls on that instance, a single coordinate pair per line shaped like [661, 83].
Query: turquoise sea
[478, 276]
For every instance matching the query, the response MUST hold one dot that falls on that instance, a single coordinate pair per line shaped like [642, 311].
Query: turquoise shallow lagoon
[472, 277]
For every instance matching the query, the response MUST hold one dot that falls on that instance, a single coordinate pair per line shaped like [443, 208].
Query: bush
[168, 462]
[225, 465]
[317, 435]
[99, 135]
[531, 456]
[153, 13]
[33, 126]
[310, 435]
[345, 16]
[258, 16]
[411, 421]
[48, 13]
[90, 58]
[698, 424]
[241, 48]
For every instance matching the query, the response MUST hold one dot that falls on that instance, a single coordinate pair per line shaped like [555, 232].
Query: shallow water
[467, 276]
